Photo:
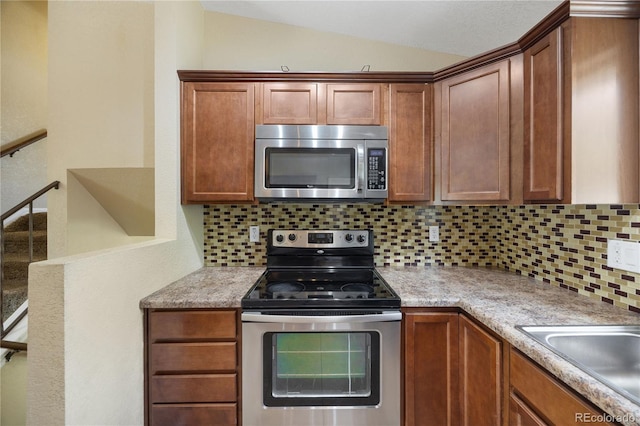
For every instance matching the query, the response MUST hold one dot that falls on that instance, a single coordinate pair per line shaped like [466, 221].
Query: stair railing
[28, 201]
[22, 142]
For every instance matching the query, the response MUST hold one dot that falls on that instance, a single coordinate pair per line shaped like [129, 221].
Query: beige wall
[101, 104]
[237, 43]
[85, 326]
[23, 98]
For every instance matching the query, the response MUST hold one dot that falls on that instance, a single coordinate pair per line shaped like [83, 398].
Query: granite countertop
[500, 300]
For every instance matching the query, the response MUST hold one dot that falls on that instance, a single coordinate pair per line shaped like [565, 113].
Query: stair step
[22, 223]
[17, 266]
[14, 294]
[18, 242]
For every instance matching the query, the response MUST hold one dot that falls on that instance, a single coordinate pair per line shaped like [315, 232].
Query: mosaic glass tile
[563, 245]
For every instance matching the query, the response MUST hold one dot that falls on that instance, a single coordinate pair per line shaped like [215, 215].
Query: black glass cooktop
[321, 289]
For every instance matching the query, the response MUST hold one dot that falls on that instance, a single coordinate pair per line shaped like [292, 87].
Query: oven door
[325, 169]
[321, 370]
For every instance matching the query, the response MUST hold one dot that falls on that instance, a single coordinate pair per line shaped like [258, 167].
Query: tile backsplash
[562, 245]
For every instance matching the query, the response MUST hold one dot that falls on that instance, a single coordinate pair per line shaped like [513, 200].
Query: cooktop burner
[320, 270]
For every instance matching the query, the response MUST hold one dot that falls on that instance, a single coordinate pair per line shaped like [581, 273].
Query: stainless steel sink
[610, 353]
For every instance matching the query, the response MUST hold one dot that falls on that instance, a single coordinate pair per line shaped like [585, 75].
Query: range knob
[361, 238]
[292, 237]
[279, 238]
[348, 237]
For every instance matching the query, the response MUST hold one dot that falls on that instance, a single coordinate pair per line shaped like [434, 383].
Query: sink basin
[610, 353]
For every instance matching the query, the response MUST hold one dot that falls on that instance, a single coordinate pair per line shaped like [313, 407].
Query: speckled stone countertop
[500, 300]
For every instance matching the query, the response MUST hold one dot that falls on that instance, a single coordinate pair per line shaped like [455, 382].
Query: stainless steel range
[320, 334]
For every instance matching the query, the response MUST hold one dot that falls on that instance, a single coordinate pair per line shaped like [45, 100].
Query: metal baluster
[31, 232]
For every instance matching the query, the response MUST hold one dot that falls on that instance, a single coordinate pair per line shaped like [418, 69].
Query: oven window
[310, 168]
[318, 368]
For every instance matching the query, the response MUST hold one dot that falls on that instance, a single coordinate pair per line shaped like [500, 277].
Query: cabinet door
[548, 398]
[480, 376]
[475, 163]
[217, 142]
[543, 129]
[410, 136]
[357, 103]
[430, 369]
[290, 103]
[520, 414]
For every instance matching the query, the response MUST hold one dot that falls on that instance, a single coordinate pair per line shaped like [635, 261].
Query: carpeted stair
[16, 259]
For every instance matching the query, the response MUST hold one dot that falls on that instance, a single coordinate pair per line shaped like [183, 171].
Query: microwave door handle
[360, 169]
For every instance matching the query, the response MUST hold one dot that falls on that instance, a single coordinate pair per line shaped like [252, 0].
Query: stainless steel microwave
[321, 163]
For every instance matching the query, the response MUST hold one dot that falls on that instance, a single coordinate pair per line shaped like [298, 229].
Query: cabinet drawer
[194, 414]
[193, 357]
[544, 395]
[194, 388]
[192, 325]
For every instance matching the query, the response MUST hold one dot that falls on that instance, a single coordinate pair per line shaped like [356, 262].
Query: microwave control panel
[377, 168]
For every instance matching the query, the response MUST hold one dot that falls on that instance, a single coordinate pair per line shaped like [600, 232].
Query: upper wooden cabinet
[410, 142]
[581, 113]
[357, 103]
[543, 109]
[320, 103]
[217, 128]
[474, 135]
[290, 103]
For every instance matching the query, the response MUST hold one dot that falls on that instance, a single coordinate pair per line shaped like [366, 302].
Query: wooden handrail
[23, 142]
[16, 346]
[28, 200]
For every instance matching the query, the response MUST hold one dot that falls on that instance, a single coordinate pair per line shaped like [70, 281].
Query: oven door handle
[297, 319]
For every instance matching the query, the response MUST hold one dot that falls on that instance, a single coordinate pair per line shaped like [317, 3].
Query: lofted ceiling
[460, 27]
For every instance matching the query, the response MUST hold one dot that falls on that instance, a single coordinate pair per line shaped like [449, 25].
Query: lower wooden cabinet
[481, 378]
[537, 398]
[452, 371]
[430, 368]
[191, 368]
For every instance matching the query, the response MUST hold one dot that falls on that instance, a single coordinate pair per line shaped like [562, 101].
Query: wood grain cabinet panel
[581, 113]
[543, 127]
[290, 103]
[194, 388]
[191, 367]
[193, 357]
[410, 142]
[481, 381]
[538, 398]
[192, 325]
[430, 369]
[205, 414]
[357, 103]
[453, 372]
[475, 135]
[521, 415]
[217, 125]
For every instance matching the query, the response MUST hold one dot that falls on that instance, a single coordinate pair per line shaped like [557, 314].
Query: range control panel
[320, 238]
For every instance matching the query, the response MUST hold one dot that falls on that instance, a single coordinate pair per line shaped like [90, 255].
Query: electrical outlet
[434, 233]
[254, 234]
[623, 255]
